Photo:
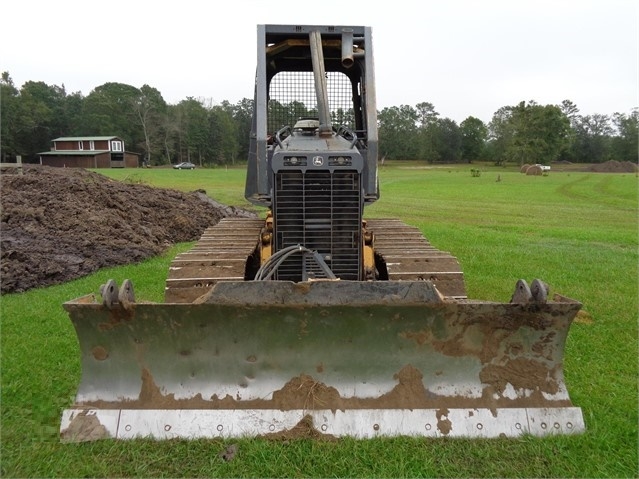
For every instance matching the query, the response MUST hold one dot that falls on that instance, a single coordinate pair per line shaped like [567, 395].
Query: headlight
[294, 161]
[340, 161]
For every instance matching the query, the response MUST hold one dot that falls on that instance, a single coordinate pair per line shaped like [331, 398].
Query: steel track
[222, 253]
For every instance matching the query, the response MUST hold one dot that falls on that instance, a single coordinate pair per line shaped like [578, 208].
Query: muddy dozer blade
[358, 359]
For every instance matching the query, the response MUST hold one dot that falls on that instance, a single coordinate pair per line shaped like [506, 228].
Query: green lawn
[577, 231]
[225, 185]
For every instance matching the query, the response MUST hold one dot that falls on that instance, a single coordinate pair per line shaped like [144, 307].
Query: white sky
[465, 57]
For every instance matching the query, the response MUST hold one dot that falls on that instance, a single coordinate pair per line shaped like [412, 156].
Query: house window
[91, 145]
[116, 145]
[80, 145]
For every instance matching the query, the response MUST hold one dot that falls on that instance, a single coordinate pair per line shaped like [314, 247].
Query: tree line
[210, 134]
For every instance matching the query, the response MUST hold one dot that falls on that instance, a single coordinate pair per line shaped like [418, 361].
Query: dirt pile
[60, 224]
[614, 166]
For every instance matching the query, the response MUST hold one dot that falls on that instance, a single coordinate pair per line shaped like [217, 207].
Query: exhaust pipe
[347, 48]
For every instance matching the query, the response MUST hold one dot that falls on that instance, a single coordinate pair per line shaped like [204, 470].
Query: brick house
[89, 152]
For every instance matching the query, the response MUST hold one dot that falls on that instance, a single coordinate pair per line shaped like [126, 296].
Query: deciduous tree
[474, 134]
[625, 142]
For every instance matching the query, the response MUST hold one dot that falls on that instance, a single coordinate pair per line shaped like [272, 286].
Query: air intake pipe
[321, 88]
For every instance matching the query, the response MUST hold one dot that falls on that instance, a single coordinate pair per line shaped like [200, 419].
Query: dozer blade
[362, 359]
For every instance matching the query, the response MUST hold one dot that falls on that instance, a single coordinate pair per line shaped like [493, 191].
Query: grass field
[577, 231]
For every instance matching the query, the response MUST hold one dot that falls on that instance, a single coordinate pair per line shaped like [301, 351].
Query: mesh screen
[292, 96]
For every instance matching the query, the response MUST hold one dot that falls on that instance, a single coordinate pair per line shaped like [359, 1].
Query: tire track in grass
[602, 190]
[609, 188]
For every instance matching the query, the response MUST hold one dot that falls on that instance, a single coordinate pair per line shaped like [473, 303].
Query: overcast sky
[467, 58]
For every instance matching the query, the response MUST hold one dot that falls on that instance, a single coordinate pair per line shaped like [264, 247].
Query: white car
[543, 167]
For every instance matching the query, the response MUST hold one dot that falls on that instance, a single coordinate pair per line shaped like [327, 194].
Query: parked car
[185, 165]
[543, 167]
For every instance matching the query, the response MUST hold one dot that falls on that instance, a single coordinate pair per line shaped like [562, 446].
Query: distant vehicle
[184, 166]
[543, 167]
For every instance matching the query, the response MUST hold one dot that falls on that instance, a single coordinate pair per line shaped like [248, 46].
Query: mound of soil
[60, 224]
[614, 166]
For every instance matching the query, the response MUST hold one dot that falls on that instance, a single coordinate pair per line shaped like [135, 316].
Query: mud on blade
[358, 358]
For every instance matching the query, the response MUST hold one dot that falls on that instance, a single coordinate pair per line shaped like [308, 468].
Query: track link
[410, 257]
[222, 252]
[219, 255]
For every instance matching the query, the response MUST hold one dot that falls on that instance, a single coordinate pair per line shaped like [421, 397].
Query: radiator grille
[320, 210]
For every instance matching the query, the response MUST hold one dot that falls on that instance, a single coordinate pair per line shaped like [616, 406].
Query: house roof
[87, 138]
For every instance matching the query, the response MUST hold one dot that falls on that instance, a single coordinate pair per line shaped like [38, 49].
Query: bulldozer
[312, 314]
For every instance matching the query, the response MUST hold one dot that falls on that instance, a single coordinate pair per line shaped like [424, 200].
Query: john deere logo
[318, 161]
